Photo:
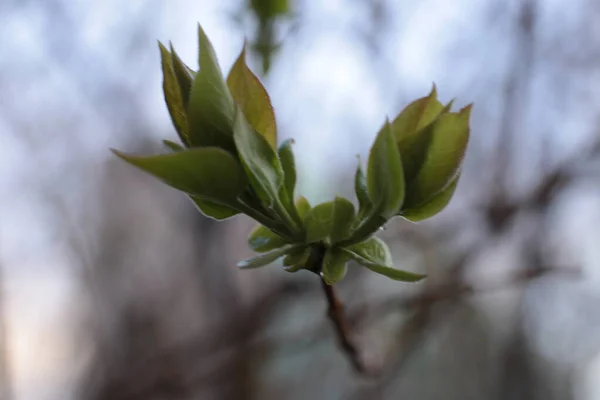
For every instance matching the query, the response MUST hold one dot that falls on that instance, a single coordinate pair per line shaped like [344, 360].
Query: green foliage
[173, 95]
[211, 108]
[296, 259]
[228, 163]
[334, 265]
[253, 99]
[318, 222]
[192, 172]
[342, 219]
[374, 254]
[267, 258]
[262, 239]
[214, 210]
[260, 161]
[385, 179]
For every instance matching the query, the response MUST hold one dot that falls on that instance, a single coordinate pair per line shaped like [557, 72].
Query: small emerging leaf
[267, 258]
[446, 139]
[173, 96]
[334, 266]
[260, 161]
[319, 222]
[362, 193]
[211, 108]
[253, 99]
[385, 179]
[408, 128]
[303, 207]
[343, 218]
[296, 260]
[286, 157]
[184, 76]
[262, 239]
[194, 171]
[417, 115]
[434, 206]
[374, 254]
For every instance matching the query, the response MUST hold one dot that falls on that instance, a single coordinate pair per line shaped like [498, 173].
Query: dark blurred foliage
[162, 313]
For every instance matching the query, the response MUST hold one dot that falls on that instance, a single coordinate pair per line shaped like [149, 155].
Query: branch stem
[342, 330]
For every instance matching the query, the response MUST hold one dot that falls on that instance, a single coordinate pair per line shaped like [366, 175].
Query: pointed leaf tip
[252, 97]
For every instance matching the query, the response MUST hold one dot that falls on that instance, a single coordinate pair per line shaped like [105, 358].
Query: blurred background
[112, 286]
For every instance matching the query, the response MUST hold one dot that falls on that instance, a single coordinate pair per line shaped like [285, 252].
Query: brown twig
[342, 330]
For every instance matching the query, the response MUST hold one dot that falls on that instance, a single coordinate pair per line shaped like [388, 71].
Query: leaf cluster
[229, 163]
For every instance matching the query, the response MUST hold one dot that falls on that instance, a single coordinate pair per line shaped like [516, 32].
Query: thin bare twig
[342, 330]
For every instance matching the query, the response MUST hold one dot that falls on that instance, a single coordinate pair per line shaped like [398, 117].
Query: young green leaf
[414, 145]
[334, 266]
[417, 115]
[385, 179]
[208, 208]
[434, 206]
[260, 161]
[343, 218]
[319, 222]
[267, 258]
[208, 173]
[253, 99]
[302, 206]
[286, 156]
[296, 259]
[374, 254]
[286, 192]
[362, 193]
[214, 210]
[184, 76]
[262, 239]
[211, 107]
[172, 94]
[446, 139]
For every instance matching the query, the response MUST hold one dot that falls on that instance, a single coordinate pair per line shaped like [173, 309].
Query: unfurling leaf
[211, 107]
[286, 192]
[286, 156]
[334, 266]
[343, 218]
[296, 259]
[260, 161]
[408, 127]
[417, 115]
[194, 171]
[374, 254]
[184, 76]
[433, 207]
[267, 258]
[262, 239]
[253, 99]
[362, 193]
[385, 179]
[319, 222]
[303, 207]
[446, 142]
[173, 95]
